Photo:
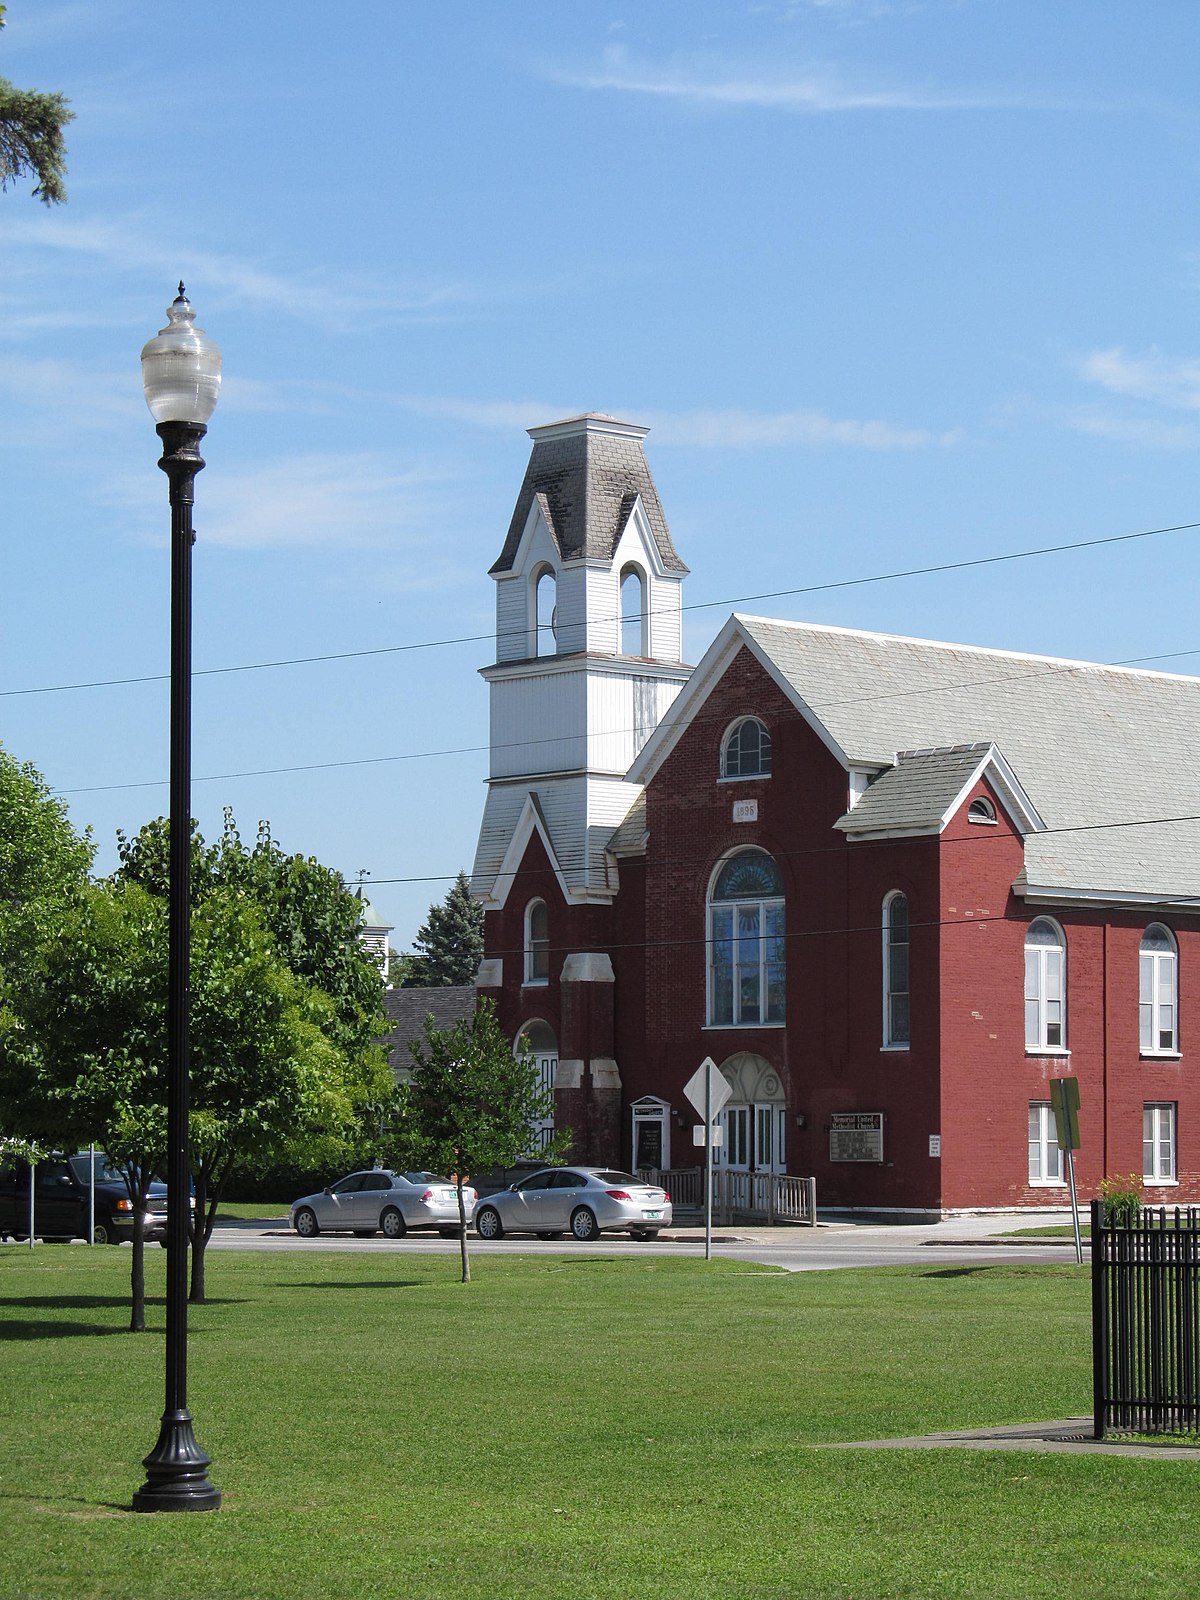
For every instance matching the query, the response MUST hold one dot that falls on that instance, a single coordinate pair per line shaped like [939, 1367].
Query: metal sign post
[1064, 1098]
[91, 1194]
[32, 1170]
[708, 1089]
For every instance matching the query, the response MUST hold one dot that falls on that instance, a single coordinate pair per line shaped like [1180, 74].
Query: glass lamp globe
[181, 368]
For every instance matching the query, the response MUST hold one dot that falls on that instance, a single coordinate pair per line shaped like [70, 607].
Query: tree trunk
[137, 1275]
[462, 1233]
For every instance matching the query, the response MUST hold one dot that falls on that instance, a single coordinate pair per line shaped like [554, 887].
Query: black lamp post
[181, 374]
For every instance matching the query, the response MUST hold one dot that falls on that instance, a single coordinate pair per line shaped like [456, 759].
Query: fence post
[1099, 1321]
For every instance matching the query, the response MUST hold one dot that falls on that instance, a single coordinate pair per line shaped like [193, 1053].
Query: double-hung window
[537, 942]
[1158, 1143]
[1045, 1157]
[1045, 986]
[746, 945]
[1158, 992]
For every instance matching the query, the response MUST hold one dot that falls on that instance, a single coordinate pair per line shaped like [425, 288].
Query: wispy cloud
[750, 430]
[1136, 433]
[715, 429]
[810, 89]
[327, 299]
[331, 502]
[1164, 380]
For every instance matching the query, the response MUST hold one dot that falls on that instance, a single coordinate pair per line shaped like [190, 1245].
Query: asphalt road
[971, 1241]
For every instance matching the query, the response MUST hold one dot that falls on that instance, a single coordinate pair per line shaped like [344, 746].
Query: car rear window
[425, 1177]
[621, 1178]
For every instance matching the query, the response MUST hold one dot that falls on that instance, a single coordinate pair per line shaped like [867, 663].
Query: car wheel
[557, 1234]
[488, 1224]
[393, 1224]
[305, 1223]
[643, 1233]
[583, 1224]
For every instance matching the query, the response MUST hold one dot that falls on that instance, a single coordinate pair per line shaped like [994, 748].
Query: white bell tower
[588, 654]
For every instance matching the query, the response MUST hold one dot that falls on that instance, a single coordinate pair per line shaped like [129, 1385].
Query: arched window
[545, 593]
[1158, 992]
[746, 949]
[895, 971]
[1045, 986]
[747, 750]
[537, 942]
[635, 621]
[981, 810]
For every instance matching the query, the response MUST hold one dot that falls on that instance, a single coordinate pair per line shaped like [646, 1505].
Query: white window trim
[1047, 1127]
[744, 777]
[527, 980]
[1152, 1180]
[1041, 1047]
[1158, 959]
[632, 570]
[888, 1042]
[709, 906]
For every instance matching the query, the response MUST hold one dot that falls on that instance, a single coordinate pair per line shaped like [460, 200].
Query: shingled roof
[586, 473]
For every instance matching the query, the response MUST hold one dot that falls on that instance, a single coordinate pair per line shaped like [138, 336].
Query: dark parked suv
[60, 1201]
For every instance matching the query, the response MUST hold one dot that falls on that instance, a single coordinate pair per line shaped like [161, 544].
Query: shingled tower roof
[586, 472]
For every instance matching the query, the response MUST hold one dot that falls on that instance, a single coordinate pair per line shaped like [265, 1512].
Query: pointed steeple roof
[586, 474]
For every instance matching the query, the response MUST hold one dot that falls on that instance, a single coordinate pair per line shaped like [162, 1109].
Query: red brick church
[891, 886]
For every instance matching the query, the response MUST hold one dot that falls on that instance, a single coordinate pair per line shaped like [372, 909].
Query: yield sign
[707, 1080]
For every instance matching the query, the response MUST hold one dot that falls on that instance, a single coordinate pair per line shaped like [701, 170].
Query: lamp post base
[177, 1471]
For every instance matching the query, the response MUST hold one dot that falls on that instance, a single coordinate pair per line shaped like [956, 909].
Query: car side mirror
[62, 1178]
[326, 1190]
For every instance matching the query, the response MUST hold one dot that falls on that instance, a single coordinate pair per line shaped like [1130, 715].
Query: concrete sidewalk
[1072, 1436]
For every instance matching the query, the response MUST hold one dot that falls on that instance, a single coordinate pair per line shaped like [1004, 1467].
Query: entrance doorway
[754, 1120]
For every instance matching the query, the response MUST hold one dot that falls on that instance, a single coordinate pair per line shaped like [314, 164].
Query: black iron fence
[1146, 1321]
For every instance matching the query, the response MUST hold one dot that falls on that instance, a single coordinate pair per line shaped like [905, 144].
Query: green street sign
[1064, 1097]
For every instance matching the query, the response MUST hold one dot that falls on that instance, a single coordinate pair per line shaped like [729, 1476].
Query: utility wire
[701, 605]
[1052, 669]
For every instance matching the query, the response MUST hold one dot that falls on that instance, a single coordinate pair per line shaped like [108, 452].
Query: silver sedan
[586, 1200]
[365, 1203]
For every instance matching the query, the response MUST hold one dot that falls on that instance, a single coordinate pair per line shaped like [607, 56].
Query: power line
[530, 744]
[701, 605]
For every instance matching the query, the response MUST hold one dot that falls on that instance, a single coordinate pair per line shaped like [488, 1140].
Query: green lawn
[252, 1211]
[572, 1427]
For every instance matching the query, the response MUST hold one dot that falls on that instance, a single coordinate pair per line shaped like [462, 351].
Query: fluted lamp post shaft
[181, 375]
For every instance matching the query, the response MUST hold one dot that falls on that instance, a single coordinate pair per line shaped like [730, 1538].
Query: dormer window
[746, 752]
[981, 810]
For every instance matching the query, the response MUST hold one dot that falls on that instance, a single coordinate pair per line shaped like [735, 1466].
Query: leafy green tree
[474, 1102]
[304, 1073]
[90, 1060]
[31, 138]
[43, 862]
[449, 946]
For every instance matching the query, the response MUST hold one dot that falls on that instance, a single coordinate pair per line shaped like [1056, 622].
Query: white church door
[543, 1048]
[754, 1121]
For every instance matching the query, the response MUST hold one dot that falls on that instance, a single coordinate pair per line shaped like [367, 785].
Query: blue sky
[893, 284]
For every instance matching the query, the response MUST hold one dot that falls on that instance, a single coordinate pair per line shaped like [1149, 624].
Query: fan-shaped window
[895, 971]
[545, 587]
[537, 942]
[747, 750]
[981, 810]
[746, 947]
[1158, 992]
[635, 622]
[1045, 986]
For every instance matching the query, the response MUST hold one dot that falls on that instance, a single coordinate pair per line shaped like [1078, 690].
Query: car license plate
[652, 1216]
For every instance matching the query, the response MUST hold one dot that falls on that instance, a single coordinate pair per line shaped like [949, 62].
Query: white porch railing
[768, 1196]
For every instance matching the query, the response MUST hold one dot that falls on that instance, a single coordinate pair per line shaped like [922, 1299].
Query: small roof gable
[630, 838]
[586, 474]
[925, 788]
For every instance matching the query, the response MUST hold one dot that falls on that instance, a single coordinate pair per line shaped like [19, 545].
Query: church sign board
[856, 1136]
